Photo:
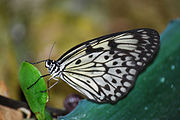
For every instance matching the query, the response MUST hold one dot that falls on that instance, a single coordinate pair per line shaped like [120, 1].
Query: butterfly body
[105, 69]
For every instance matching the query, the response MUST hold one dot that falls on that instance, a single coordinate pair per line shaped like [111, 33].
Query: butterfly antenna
[51, 50]
[36, 62]
[43, 60]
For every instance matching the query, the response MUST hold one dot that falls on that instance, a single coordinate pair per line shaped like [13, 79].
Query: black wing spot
[107, 87]
[106, 57]
[78, 62]
[89, 49]
[90, 56]
[115, 63]
[114, 81]
[118, 71]
[112, 44]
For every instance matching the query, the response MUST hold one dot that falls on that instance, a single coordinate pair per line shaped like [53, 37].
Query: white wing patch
[127, 41]
[127, 47]
[123, 36]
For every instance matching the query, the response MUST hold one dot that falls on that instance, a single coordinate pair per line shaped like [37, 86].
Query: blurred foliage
[29, 28]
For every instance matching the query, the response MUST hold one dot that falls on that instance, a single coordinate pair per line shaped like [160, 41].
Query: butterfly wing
[105, 69]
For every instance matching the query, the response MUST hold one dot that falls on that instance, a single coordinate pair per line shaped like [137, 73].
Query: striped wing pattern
[105, 69]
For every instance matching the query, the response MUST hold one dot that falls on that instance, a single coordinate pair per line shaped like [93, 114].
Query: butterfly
[105, 69]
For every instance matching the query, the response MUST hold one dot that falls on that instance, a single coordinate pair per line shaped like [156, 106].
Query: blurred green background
[29, 28]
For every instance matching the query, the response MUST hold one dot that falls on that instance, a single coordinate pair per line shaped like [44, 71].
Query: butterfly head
[49, 63]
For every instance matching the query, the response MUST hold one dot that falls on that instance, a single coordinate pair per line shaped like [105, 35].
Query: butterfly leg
[57, 80]
[38, 80]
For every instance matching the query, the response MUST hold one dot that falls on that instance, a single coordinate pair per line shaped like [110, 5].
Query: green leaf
[28, 74]
[156, 93]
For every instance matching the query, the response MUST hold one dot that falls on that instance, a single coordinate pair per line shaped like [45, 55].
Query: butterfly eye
[48, 63]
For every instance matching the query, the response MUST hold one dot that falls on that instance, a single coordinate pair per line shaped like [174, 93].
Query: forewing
[105, 69]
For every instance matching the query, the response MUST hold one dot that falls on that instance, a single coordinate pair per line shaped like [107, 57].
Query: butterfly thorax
[53, 67]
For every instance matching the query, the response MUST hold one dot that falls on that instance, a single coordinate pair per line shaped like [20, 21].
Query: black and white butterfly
[104, 69]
